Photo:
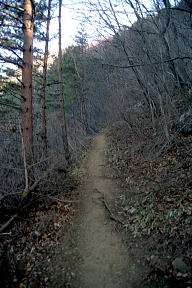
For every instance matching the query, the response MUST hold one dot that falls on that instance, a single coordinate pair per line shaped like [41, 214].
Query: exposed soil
[104, 258]
[96, 253]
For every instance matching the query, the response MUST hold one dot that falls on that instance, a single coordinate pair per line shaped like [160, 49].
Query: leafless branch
[11, 61]
[11, 49]
[11, 15]
[10, 105]
[53, 83]
[11, 6]
[25, 193]
[24, 161]
[112, 216]
[149, 64]
[179, 9]
[5, 226]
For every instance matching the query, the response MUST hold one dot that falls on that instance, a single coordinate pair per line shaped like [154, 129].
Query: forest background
[137, 70]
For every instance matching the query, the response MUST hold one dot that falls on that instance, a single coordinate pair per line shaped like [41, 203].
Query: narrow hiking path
[95, 255]
[104, 259]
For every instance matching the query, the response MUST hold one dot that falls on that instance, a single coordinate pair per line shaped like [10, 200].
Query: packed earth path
[103, 255]
[105, 259]
[100, 257]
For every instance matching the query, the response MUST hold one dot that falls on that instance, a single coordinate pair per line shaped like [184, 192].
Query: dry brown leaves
[157, 198]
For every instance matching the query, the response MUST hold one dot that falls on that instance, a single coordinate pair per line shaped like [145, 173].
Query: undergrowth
[156, 206]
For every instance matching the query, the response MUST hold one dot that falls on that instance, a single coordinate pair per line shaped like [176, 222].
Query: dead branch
[112, 216]
[4, 226]
[6, 234]
[11, 61]
[178, 9]
[24, 161]
[62, 201]
[11, 6]
[149, 64]
[26, 192]
[11, 15]
[39, 162]
[23, 197]
[10, 105]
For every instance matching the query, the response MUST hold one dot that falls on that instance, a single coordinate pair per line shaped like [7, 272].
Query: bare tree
[44, 82]
[152, 43]
[61, 91]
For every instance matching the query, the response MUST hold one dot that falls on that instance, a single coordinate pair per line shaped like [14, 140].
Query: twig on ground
[63, 201]
[112, 216]
[4, 226]
[23, 197]
[6, 234]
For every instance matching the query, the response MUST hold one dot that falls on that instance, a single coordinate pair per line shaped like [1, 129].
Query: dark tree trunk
[61, 92]
[44, 82]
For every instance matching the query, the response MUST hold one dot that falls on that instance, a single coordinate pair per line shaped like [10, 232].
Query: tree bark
[44, 82]
[26, 102]
[61, 92]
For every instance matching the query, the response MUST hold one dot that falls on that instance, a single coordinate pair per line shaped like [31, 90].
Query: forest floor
[156, 201]
[123, 221]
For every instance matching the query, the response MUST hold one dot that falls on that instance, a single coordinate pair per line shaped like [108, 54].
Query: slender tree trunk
[83, 109]
[26, 103]
[61, 92]
[44, 82]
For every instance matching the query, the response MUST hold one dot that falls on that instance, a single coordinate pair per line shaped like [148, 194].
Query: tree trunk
[44, 82]
[26, 102]
[61, 92]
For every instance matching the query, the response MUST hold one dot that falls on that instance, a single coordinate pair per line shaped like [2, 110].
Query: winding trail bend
[104, 257]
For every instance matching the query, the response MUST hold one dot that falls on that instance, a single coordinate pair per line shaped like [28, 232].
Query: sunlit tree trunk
[26, 103]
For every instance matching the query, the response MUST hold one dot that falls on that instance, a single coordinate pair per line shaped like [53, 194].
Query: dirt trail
[104, 259]
[94, 255]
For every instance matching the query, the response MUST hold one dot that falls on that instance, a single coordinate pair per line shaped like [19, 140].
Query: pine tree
[16, 41]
